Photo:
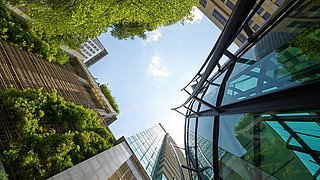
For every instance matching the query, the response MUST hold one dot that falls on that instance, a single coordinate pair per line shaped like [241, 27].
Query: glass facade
[258, 117]
[146, 145]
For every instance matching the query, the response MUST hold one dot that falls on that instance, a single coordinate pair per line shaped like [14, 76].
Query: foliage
[107, 93]
[18, 33]
[274, 154]
[72, 22]
[299, 54]
[53, 134]
[3, 175]
[308, 41]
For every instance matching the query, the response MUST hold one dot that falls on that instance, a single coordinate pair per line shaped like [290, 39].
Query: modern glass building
[92, 51]
[257, 116]
[158, 154]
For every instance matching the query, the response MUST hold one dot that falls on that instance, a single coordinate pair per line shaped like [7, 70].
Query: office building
[93, 51]
[219, 12]
[73, 81]
[158, 153]
[257, 117]
[116, 163]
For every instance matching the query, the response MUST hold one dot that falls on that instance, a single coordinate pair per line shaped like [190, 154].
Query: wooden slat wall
[22, 69]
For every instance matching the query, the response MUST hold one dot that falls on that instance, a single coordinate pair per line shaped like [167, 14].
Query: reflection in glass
[191, 143]
[269, 147]
[294, 63]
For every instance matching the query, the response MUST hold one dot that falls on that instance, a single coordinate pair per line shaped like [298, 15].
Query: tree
[53, 134]
[73, 21]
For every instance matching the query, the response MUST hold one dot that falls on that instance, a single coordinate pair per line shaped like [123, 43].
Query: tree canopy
[52, 134]
[17, 32]
[73, 21]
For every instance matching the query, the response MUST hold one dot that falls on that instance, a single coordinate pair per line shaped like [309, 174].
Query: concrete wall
[101, 166]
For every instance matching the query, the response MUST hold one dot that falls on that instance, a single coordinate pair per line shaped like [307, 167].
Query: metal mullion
[184, 89]
[300, 149]
[248, 30]
[212, 83]
[179, 112]
[190, 109]
[227, 36]
[199, 107]
[302, 97]
[186, 143]
[213, 108]
[316, 174]
[195, 144]
[251, 14]
[215, 145]
[204, 113]
[246, 61]
[298, 139]
[230, 55]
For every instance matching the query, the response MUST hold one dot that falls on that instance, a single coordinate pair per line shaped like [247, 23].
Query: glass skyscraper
[147, 145]
[257, 116]
[155, 150]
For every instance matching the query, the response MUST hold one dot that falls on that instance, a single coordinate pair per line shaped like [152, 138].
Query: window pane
[266, 16]
[256, 147]
[284, 60]
[204, 142]
[203, 3]
[230, 4]
[219, 17]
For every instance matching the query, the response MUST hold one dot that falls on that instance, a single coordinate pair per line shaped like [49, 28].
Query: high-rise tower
[157, 153]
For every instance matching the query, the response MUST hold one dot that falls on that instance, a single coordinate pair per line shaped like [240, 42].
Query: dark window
[279, 2]
[315, 9]
[203, 3]
[300, 24]
[230, 4]
[241, 38]
[266, 16]
[250, 22]
[255, 27]
[260, 10]
[219, 17]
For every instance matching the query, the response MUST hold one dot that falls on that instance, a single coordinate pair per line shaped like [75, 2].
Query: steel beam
[303, 97]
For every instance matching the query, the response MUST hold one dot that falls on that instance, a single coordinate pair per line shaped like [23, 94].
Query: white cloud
[197, 16]
[153, 36]
[155, 69]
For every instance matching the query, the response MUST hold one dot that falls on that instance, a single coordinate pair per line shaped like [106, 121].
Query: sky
[146, 76]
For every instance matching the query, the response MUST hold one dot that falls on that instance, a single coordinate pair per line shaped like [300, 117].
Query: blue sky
[145, 76]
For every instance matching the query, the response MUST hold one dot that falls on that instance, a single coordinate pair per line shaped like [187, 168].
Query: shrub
[40, 151]
[107, 93]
